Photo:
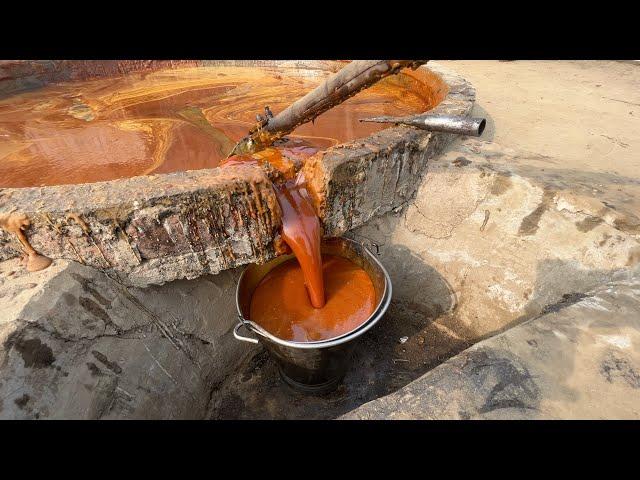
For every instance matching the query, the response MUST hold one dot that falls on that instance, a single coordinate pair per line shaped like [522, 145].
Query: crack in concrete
[176, 342]
[58, 336]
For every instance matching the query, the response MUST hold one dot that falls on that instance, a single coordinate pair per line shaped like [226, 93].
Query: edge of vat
[157, 228]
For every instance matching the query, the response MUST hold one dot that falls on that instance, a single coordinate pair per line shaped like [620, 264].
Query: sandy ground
[585, 112]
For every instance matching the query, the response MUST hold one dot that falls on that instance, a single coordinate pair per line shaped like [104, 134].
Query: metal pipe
[458, 125]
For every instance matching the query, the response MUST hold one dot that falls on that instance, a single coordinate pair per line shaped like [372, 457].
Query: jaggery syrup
[281, 306]
[308, 298]
[174, 120]
[301, 231]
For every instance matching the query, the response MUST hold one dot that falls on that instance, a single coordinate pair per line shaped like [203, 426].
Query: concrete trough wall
[159, 228]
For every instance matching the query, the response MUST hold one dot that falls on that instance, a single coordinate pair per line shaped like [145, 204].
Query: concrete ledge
[152, 229]
[579, 361]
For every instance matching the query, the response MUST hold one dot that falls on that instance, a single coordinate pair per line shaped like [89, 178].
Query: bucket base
[314, 389]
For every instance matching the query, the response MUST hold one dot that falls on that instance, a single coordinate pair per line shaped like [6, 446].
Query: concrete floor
[576, 360]
[587, 112]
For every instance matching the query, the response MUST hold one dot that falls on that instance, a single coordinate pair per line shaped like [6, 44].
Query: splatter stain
[87, 287]
[95, 309]
[461, 162]
[509, 382]
[530, 223]
[501, 184]
[113, 366]
[35, 354]
[588, 224]
[634, 257]
[93, 368]
[567, 300]
[605, 237]
[22, 401]
[614, 367]
[486, 219]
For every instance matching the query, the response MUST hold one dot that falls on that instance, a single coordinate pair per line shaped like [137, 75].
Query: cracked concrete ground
[585, 112]
[582, 119]
[78, 344]
[494, 238]
[579, 361]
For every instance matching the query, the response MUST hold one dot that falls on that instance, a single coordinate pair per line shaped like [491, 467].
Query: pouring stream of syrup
[300, 223]
[301, 231]
[337, 296]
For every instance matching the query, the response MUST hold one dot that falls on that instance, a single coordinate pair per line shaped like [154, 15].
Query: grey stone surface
[77, 344]
[495, 235]
[461, 275]
[581, 360]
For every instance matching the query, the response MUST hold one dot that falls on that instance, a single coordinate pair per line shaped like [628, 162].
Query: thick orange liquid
[173, 120]
[301, 231]
[300, 224]
[281, 306]
[311, 298]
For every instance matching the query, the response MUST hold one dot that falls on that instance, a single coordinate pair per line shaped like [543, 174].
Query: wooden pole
[353, 78]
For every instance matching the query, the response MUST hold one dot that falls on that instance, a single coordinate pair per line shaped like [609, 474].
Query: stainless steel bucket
[313, 366]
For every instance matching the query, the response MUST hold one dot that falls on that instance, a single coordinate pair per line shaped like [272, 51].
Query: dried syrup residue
[15, 223]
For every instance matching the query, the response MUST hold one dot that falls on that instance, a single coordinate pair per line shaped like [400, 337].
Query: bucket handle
[240, 337]
[368, 243]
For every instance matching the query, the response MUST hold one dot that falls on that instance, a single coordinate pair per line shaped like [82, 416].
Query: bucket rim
[377, 314]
